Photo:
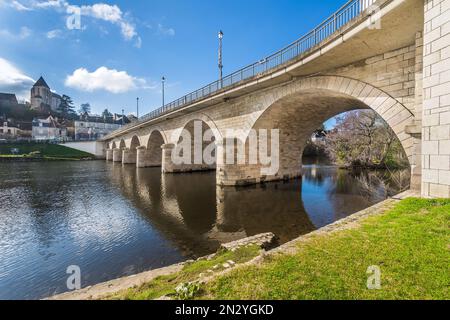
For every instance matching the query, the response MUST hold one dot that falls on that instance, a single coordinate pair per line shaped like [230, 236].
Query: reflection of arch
[303, 106]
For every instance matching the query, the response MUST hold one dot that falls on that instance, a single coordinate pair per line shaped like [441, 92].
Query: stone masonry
[436, 100]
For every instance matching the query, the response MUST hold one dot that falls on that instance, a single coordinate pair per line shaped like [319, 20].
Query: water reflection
[114, 220]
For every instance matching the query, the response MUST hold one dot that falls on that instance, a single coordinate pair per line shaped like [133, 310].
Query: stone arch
[134, 143]
[198, 123]
[153, 151]
[113, 145]
[200, 117]
[298, 108]
[122, 144]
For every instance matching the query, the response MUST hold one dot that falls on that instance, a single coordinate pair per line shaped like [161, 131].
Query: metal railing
[346, 14]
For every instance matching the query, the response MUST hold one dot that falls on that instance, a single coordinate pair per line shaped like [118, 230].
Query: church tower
[43, 97]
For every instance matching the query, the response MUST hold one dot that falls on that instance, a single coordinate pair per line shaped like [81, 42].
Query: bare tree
[362, 138]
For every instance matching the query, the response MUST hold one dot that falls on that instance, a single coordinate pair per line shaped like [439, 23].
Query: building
[43, 98]
[8, 99]
[49, 129]
[93, 127]
[8, 130]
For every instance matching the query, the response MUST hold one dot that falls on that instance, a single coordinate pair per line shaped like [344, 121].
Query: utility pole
[220, 58]
[163, 81]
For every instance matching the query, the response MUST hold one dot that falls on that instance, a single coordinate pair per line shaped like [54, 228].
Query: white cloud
[54, 34]
[100, 11]
[162, 30]
[12, 80]
[104, 79]
[22, 34]
[50, 4]
[112, 14]
[19, 6]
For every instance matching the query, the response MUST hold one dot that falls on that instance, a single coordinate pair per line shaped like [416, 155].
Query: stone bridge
[392, 56]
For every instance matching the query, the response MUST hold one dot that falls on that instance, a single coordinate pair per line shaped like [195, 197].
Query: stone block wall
[436, 100]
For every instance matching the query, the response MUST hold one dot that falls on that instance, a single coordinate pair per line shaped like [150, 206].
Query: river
[113, 221]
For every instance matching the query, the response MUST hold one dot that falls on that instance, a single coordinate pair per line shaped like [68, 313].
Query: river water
[113, 221]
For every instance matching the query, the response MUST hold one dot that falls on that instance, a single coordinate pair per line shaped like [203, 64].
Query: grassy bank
[410, 244]
[42, 151]
[166, 285]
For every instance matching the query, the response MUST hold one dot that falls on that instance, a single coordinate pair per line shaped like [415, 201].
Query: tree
[66, 107]
[85, 108]
[361, 137]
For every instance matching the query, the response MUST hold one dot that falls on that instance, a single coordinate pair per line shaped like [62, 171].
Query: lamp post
[123, 116]
[163, 81]
[137, 107]
[220, 58]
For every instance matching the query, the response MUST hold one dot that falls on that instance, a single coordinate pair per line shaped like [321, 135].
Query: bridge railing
[346, 14]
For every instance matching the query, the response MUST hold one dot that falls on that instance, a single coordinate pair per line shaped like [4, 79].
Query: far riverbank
[35, 152]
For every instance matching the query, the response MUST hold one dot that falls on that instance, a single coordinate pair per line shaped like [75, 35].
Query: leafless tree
[362, 138]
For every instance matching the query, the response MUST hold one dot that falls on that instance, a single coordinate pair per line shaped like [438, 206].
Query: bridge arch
[189, 119]
[302, 106]
[200, 128]
[122, 144]
[134, 143]
[153, 146]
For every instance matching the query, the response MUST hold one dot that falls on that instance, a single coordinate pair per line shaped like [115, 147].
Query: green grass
[165, 285]
[47, 151]
[410, 243]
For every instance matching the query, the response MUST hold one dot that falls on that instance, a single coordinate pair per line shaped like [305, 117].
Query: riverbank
[407, 239]
[32, 152]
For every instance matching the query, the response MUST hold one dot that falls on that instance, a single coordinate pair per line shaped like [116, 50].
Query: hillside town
[51, 117]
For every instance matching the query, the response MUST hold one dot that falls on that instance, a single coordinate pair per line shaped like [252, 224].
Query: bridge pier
[117, 155]
[146, 158]
[436, 101]
[109, 155]
[128, 156]
[168, 166]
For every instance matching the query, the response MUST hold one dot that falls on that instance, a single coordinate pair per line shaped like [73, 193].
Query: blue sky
[124, 47]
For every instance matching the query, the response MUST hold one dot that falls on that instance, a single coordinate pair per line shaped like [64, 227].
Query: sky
[119, 50]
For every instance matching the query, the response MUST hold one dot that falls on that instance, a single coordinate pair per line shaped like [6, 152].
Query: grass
[409, 243]
[47, 151]
[165, 285]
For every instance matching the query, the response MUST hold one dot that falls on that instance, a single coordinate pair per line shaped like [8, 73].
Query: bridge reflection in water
[196, 216]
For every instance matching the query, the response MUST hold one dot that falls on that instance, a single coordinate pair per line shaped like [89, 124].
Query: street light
[163, 81]
[220, 57]
[137, 107]
[123, 116]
